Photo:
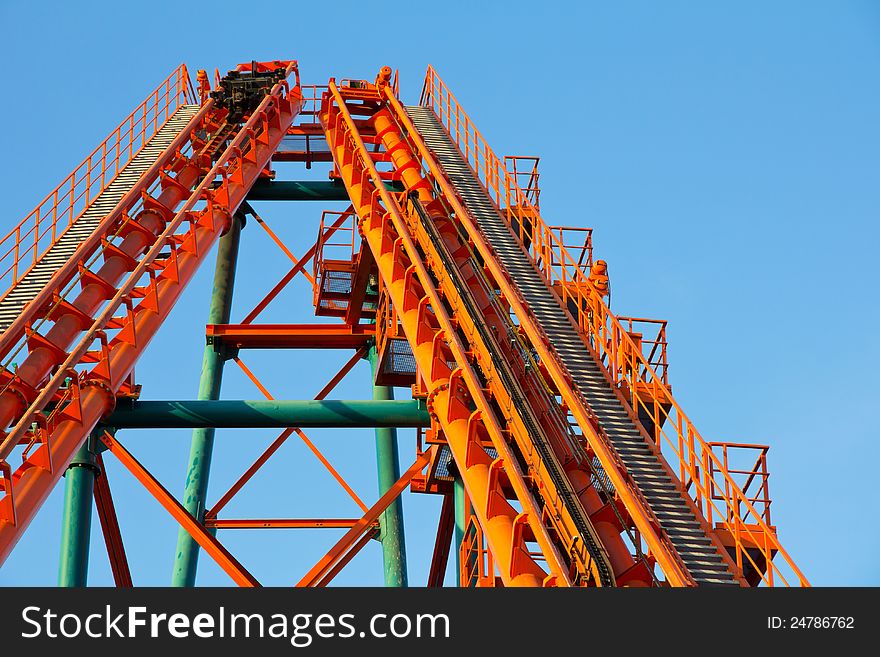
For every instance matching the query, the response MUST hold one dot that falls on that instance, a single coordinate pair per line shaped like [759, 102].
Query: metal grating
[599, 478]
[336, 282]
[444, 460]
[334, 304]
[399, 359]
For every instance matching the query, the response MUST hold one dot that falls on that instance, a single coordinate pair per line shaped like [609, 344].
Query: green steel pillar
[388, 465]
[76, 523]
[187, 555]
[459, 504]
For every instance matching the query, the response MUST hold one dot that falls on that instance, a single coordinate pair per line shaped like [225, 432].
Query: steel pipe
[341, 414]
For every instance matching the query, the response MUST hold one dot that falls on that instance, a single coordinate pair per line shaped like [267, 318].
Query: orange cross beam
[290, 336]
[110, 527]
[208, 543]
[299, 266]
[286, 433]
[283, 523]
[354, 537]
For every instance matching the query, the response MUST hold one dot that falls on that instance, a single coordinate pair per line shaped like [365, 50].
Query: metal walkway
[696, 550]
[20, 294]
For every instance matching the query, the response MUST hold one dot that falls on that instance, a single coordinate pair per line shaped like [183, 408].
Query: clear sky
[725, 153]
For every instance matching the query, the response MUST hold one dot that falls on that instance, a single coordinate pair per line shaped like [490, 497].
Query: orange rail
[25, 244]
[581, 248]
[674, 433]
[753, 479]
[337, 244]
[135, 309]
[38, 316]
[453, 385]
[524, 169]
[653, 344]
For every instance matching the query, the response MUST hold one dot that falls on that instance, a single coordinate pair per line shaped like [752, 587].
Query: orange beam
[289, 276]
[279, 243]
[434, 338]
[299, 432]
[343, 562]
[359, 281]
[208, 543]
[290, 336]
[445, 527]
[329, 562]
[283, 523]
[668, 558]
[110, 527]
[92, 393]
[252, 470]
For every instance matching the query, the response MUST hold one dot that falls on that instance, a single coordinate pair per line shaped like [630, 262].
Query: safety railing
[649, 335]
[64, 388]
[312, 94]
[574, 240]
[387, 324]
[754, 540]
[16, 343]
[524, 171]
[26, 243]
[477, 567]
[335, 262]
[747, 465]
[337, 240]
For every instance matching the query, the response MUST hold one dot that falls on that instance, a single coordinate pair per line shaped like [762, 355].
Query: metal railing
[524, 170]
[649, 335]
[628, 368]
[35, 428]
[477, 566]
[311, 107]
[752, 477]
[577, 242]
[337, 241]
[26, 243]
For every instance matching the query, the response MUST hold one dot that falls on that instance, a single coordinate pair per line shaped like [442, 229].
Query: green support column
[459, 503]
[76, 523]
[202, 445]
[388, 466]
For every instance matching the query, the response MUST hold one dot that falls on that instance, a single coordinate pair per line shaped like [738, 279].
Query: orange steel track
[549, 500]
[144, 297]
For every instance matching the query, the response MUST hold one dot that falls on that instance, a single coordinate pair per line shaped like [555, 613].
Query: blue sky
[726, 156]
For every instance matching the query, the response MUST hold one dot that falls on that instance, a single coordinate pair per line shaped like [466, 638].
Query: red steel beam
[301, 156]
[290, 336]
[303, 260]
[445, 527]
[110, 528]
[278, 241]
[343, 562]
